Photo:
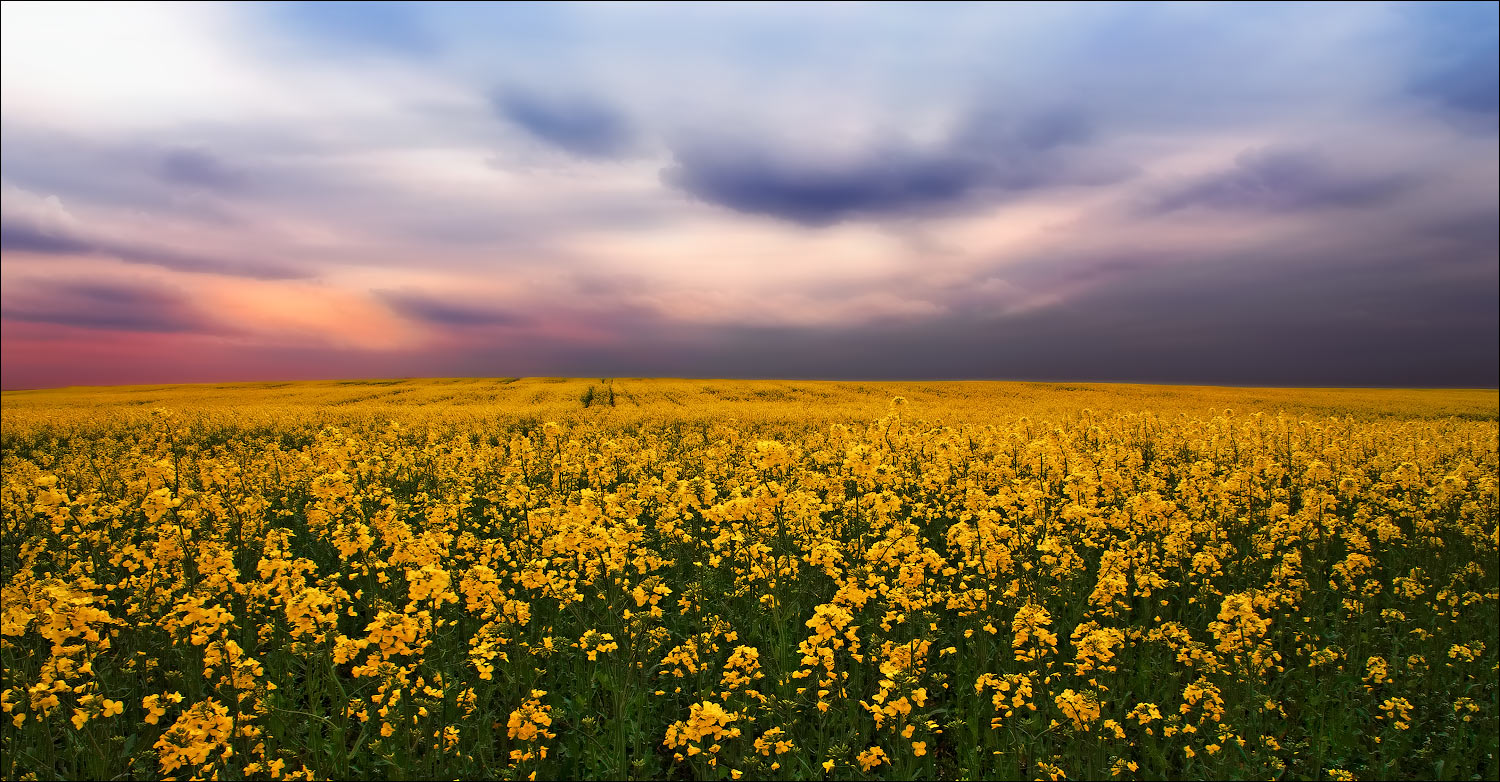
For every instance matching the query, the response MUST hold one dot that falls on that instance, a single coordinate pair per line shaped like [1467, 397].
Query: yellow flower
[872, 757]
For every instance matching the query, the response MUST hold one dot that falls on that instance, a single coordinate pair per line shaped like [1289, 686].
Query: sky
[1243, 194]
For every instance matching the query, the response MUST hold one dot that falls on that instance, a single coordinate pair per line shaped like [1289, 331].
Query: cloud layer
[1284, 194]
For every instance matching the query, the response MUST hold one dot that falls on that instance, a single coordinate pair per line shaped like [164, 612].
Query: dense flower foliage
[974, 584]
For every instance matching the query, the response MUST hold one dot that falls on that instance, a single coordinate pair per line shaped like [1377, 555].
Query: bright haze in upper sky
[1248, 194]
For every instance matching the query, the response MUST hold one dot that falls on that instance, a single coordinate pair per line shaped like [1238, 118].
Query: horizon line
[564, 378]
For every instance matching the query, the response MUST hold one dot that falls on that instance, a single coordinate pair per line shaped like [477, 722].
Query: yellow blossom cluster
[757, 579]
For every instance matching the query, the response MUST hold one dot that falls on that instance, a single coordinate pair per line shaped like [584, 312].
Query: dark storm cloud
[106, 305]
[1280, 180]
[199, 168]
[583, 126]
[754, 181]
[444, 312]
[1402, 305]
[19, 235]
[990, 156]
[1254, 328]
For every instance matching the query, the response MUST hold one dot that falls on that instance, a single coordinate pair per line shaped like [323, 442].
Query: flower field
[693, 579]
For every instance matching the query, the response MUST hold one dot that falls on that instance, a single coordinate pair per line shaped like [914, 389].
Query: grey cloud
[753, 181]
[1330, 329]
[199, 168]
[18, 235]
[580, 125]
[995, 129]
[1375, 310]
[1280, 179]
[394, 26]
[183, 182]
[1471, 88]
[104, 305]
[1380, 309]
[988, 156]
[446, 313]
[1457, 68]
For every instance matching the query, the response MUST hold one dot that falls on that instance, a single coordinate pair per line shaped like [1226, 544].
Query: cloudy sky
[1243, 194]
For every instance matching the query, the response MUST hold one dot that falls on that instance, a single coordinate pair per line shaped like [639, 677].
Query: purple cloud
[1279, 180]
[583, 126]
[115, 306]
[988, 158]
[17, 234]
[198, 168]
[443, 312]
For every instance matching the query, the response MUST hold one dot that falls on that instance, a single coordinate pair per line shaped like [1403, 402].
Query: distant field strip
[749, 400]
